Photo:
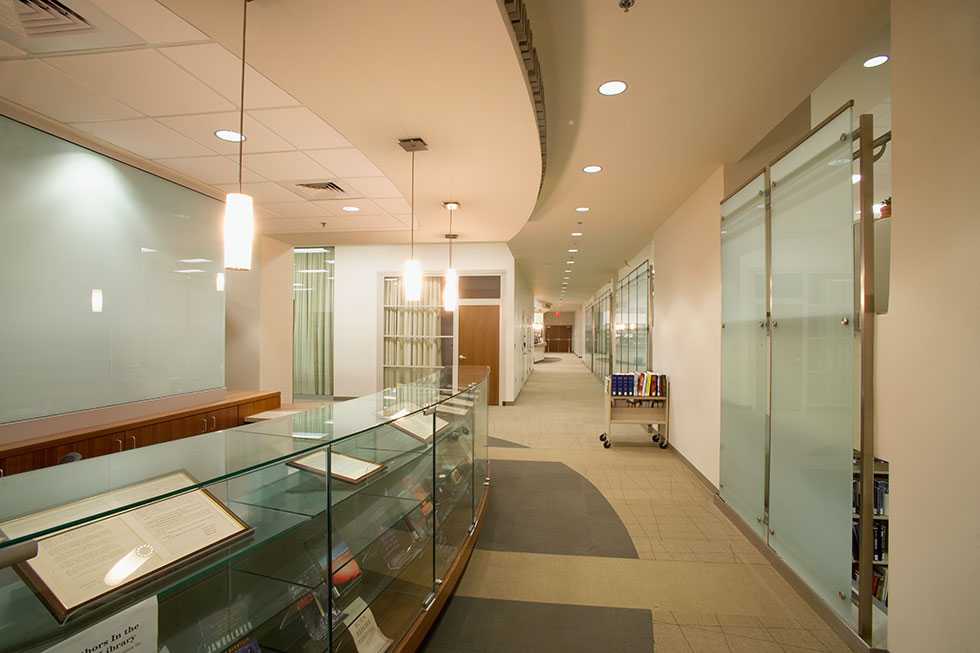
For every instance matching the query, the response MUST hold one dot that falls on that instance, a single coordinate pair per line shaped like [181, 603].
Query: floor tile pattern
[705, 586]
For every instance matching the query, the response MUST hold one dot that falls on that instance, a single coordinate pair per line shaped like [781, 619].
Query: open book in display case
[300, 533]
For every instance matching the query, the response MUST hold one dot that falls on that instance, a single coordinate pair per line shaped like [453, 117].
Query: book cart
[650, 410]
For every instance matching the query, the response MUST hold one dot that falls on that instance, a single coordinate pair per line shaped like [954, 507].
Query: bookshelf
[879, 532]
[643, 399]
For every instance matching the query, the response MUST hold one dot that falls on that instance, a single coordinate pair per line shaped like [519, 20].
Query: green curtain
[313, 322]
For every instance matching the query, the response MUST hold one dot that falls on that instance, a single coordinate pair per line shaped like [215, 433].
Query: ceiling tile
[210, 169]
[222, 71]
[282, 166]
[380, 187]
[264, 191]
[347, 162]
[144, 137]
[394, 206]
[299, 210]
[336, 207]
[151, 21]
[36, 85]
[301, 127]
[201, 127]
[8, 50]
[145, 80]
[375, 223]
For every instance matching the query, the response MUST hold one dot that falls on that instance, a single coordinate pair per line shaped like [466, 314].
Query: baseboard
[697, 472]
[851, 638]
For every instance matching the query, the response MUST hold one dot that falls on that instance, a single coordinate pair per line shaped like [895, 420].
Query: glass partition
[744, 355]
[813, 361]
[631, 335]
[313, 279]
[285, 533]
[100, 262]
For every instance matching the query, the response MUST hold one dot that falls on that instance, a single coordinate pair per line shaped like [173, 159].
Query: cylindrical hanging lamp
[239, 227]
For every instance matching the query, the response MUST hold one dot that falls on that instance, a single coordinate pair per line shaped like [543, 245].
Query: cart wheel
[602, 437]
[663, 444]
[606, 444]
[656, 437]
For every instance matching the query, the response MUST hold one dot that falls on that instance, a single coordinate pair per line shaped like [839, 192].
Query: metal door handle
[214, 422]
[120, 443]
[1, 472]
[844, 321]
[133, 438]
[204, 421]
[462, 357]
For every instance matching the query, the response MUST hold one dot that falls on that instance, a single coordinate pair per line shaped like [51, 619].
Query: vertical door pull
[214, 422]
[204, 425]
[133, 438]
[119, 443]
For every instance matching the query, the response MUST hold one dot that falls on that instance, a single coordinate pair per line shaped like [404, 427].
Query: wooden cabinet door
[24, 462]
[106, 444]
[54, 455]
[225, 418]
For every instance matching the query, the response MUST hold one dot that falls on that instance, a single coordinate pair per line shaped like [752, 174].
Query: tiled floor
[706, 586]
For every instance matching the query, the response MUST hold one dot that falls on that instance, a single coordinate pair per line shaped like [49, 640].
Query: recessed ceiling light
[582, 209]
[230, 135]
[874, 62]
[612, 87]
[147, 250]
[591, 170]
[351, 209]
[569, 262]
[195, 260]
[576, 233]
[192, 271]
[568, 269]
[855, 178]
[572, 251]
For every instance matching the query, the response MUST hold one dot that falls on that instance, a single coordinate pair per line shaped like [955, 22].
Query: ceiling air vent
[35, 18]
[328, 186]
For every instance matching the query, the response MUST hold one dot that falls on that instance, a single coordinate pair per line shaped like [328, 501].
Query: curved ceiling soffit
[521, 25]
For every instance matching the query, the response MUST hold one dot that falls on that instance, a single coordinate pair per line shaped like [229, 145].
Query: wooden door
[479, 343]
[558, 338]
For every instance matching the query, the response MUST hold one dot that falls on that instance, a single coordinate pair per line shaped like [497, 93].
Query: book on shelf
[638, 384]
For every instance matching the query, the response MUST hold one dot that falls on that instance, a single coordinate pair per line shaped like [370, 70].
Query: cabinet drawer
[106, 444]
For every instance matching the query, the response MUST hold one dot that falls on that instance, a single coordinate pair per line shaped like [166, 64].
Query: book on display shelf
[342, 467]
[83, 566]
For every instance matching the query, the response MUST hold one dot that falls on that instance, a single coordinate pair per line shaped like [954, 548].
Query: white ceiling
[707, 80]
[169, 81]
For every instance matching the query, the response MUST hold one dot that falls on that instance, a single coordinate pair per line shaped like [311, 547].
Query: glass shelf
[400, 526]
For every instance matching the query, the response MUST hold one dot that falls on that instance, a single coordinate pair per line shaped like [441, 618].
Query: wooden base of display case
[418, 631]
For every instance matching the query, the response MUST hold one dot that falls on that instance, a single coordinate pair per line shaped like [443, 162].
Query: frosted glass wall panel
[107, 281]
[744, 353]
[813, 361]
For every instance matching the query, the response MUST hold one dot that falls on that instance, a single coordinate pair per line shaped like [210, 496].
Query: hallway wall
[931, 329]
[687, 323]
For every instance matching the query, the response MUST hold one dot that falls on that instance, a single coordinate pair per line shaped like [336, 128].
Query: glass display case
[333, 529]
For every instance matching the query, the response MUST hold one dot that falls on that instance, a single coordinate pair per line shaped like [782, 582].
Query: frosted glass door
[744, 365]
[813, 361]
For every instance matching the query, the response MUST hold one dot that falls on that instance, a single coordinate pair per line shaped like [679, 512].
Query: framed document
[82, 566]
[345, 468]
[420, 426]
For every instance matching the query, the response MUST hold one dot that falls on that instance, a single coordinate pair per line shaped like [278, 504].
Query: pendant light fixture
[450, 291]
[239, 208]
[412, 275]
